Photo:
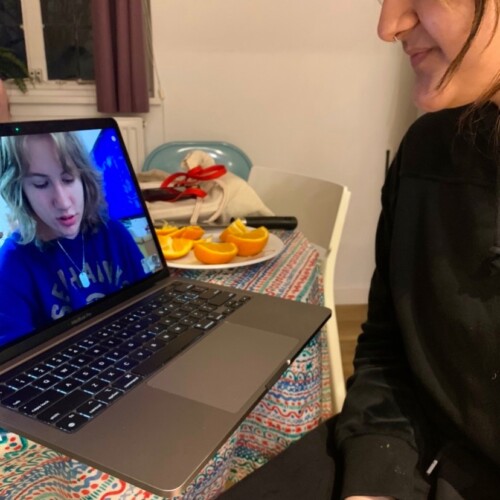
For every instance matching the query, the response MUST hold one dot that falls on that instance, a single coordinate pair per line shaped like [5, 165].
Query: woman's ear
[4, 104]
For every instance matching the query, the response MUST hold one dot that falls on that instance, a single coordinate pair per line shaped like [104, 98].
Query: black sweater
[427, 365]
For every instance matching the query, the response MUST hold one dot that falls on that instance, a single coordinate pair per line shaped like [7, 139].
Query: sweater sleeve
[377, 428]
[16, 295]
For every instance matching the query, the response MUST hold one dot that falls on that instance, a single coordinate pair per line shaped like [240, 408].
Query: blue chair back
[169, 156]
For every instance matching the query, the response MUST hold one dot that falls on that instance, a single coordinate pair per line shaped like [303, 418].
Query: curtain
[119, 56]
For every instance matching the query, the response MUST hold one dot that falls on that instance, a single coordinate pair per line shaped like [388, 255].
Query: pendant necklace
[83, 277]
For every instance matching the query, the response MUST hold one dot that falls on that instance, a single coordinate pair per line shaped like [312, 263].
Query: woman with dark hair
[421, 418]
[63, 252]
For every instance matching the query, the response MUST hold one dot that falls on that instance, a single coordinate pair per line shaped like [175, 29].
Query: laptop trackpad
[227, 367]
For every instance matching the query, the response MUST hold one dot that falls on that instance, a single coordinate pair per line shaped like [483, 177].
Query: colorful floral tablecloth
[297, 403]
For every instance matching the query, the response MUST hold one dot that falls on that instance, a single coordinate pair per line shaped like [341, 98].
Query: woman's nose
[397, 17]
[61, 196]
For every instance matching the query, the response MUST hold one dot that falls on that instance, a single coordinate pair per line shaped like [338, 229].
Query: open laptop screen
[73, 227]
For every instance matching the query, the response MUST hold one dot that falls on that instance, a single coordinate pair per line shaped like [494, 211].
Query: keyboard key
[21, 397]
[176, 329]
[41, 402]
[166, 337]
[145, 336]
[141, 354]
[18, 381]
[126, 334]
[101, 364]
[38, 370]
[64, 371]
[63, 406]
[111, 374]
[208, 294]
[205, 324]
[131, 344]
[116, 354]
[221, 298]
[67, 385]
[80, 361]
[72, 351]
[91, 408]
[154, 345]
[56, 360]
[156, 329]
[88, 342]
[166, 322]
[126, 364]
[127, 381]
[112, 342]
[85, 374]
[97, 351]
[108, 395]
[46, 381]
[71, 422]
[188, 321]
[94, 386]
[5, 391]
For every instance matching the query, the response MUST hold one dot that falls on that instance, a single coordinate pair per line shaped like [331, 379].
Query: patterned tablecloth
[296, 404]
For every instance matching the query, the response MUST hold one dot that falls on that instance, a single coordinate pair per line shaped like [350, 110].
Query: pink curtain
[119, 56]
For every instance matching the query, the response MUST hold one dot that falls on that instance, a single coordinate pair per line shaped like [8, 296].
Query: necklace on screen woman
[83, 277]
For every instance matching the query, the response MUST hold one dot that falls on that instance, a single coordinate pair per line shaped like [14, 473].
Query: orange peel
[209, 252]
[249, 243]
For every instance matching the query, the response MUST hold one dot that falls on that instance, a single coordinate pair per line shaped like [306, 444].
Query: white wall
[299, 85]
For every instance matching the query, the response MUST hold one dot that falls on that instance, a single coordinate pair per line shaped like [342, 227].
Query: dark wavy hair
[14, 165]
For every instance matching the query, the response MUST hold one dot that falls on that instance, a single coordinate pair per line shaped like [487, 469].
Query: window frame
[42, 92]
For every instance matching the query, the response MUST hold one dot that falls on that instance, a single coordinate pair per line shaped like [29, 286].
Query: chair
[169, 156]
[320, 207]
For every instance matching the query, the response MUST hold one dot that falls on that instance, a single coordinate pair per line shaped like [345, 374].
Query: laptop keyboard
[71, 384]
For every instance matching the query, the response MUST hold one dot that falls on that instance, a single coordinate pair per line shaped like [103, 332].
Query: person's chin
[430, 100]
[71, 235]
[68, 232]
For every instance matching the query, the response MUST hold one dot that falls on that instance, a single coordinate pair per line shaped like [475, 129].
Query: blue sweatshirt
[39, 284]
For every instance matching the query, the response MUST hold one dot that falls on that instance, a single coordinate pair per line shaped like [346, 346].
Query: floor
[349, 319]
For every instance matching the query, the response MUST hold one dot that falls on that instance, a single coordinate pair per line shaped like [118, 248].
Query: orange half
[210, 252]
[175, 248]
[250, 243]
[189, 232]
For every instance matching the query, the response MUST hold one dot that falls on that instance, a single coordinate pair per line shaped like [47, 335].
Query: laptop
[104, 356]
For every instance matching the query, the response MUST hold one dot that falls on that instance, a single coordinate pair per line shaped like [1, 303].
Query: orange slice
[189, 232]
[166, 229]
[210, 252]
[251, 242]
[236, 227]
[175, 248]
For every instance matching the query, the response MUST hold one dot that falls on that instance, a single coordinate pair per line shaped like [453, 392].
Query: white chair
[320, 207]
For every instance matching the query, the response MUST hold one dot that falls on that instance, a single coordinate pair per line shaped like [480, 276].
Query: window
[53, 37]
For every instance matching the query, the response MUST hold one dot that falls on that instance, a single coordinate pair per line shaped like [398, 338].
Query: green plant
[11, 67]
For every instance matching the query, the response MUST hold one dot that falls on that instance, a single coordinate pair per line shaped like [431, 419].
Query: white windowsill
[58, 93]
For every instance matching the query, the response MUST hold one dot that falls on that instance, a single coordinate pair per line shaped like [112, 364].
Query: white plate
[272, 249]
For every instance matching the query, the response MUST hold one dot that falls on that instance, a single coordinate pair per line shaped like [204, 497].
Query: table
[297, 403]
